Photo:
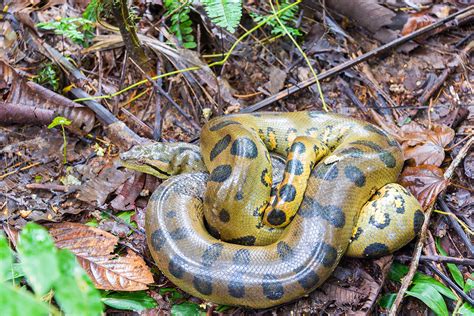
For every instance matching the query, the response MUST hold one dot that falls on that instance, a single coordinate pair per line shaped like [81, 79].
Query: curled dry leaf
[94, 250]
[425, 146]
[425, 182]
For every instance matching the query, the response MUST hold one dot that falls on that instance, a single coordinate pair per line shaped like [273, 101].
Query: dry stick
[350, 63]
[440, 259]
[159, 89]
[451, 284]
[467, 241]
[419, 245]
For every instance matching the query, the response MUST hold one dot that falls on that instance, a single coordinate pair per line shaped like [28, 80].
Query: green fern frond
[224, 13]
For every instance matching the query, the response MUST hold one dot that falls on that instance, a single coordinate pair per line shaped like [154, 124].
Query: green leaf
[224, 13]
[16, 301]
[397, 272]
[59, 120]
[37, 254]
[74, 290]
[453, 269]
[186, 309]
[387, 300]
[126, 216]
[174, 294]
[135, 301]
[438, 286]
[6, 259]
[428, 295]
[466, 309]
[469, 285]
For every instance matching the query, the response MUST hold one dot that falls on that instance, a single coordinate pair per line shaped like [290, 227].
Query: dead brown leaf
[425, 182]
[426, 146]
[417, 21]
[94, 250]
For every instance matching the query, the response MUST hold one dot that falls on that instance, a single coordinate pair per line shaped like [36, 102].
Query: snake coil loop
[215, 231]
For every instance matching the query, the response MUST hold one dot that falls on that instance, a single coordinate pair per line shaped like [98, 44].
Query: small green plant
[181, 24]
[50, 272]
[288, 18]
[48, 76]
[428, 290]
[224, 13]
[61, 121]
[78, 30]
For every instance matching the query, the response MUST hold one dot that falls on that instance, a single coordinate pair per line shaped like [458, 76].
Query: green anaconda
[218, 231]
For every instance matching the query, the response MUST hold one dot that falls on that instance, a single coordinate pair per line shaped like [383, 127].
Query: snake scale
[221, 230]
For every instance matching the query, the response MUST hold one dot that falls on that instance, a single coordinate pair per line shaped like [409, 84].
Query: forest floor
[419, 91]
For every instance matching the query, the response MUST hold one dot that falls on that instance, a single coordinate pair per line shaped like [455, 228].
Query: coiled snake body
[335, 166]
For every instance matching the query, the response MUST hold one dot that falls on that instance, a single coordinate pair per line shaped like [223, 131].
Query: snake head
[163, 160]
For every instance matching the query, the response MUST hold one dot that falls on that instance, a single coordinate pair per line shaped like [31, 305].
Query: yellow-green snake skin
[336, 165]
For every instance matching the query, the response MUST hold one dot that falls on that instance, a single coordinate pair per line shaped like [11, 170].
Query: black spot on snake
[213, 231]
[307, 278]
[276, 217]
[220, 146]
[284, 251]
[224, 216]
[359, 231]
[263, 177]
[388, 159]
[179, 233]
[418, 220]
[311, 131]
[401, 208]
[272, 288]
[287, 193]
[171, 214]
[245, 240]
[353, 152]
[328, 254]
[314, 114]
[376, 250]
[239, 196]
[375, 223]
[203, 284]
[244, 147]
[392, 142]
[368, 143]
[326, 172]
[241, 257]
[294, 166]
[298, 147]
[211, 254]
[373, 129]
[176, 267]
[220, 173]
[355, 175]
[158, 239]
[330, 213]
[222, 124]
[236, 286]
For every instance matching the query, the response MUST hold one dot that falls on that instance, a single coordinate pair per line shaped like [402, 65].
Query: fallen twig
[406, 281]
[17, 114]
[467, 241]
[440, 259]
